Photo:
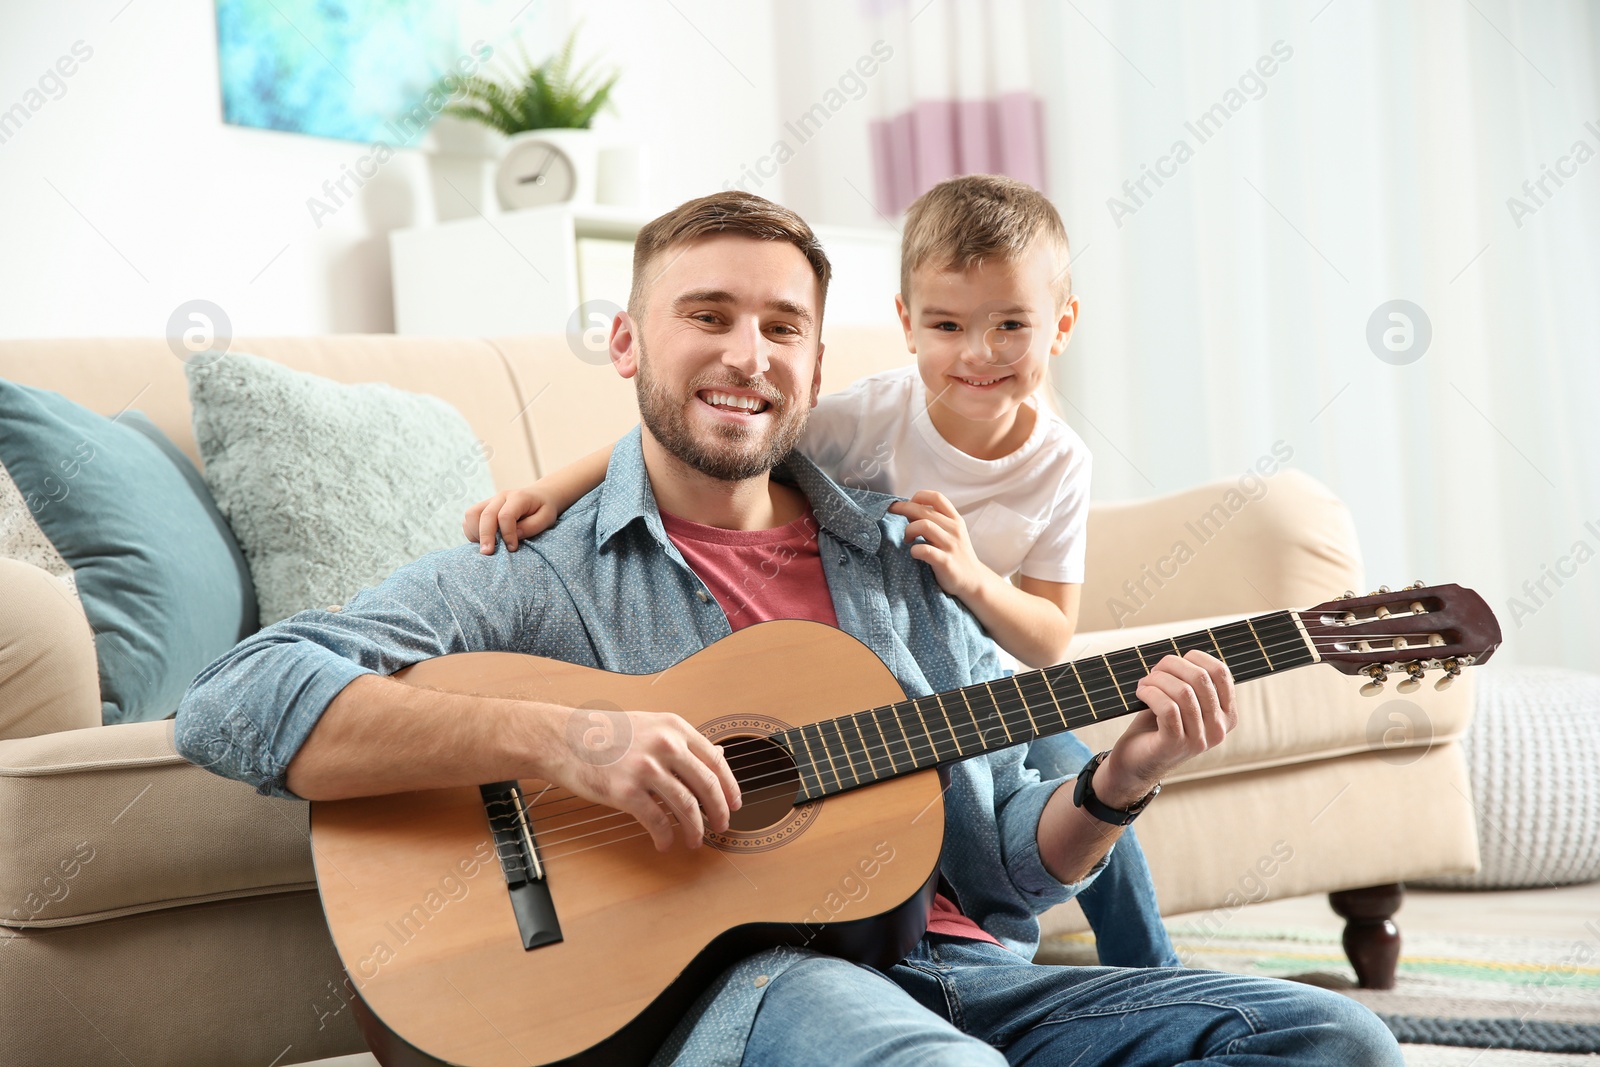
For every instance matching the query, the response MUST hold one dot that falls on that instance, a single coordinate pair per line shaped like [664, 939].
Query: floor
[1553, 913]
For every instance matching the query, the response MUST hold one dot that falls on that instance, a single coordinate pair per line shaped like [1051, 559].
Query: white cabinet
[528, 271]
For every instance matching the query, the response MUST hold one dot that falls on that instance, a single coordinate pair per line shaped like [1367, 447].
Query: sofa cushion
[330, 487]
[156, 574]
[112, 821]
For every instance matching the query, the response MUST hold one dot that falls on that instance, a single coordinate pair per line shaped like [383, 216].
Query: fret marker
[887, 751]
[999, 714]
[1061, 712]
[810, 758]
[1087, 699]
[948, 725]
[823, 741]
[1259, 645]
[925, 731]
[1115, 684]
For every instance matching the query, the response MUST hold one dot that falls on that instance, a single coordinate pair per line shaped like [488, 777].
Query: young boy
[985, 301]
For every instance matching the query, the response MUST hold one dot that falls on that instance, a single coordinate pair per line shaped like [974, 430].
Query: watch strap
[1083, 796]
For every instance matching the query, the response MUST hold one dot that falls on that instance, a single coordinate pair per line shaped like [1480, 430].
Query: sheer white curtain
[960, 101]
[1247, 185]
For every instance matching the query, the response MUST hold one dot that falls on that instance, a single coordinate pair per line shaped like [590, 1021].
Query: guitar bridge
[518, 850]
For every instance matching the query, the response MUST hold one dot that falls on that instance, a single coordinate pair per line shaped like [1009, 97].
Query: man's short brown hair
[965, 221]
[731, 212]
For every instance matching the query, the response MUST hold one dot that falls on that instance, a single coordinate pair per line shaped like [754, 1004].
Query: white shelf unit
[523, 272]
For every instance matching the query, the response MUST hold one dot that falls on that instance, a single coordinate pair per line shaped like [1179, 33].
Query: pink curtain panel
[939, 139]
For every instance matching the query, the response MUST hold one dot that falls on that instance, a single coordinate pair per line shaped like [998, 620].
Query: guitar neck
[876, 744]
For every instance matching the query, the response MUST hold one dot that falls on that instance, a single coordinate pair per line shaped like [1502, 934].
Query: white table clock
[540, 168]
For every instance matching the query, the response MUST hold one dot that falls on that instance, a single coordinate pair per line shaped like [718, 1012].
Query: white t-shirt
[1025, 512]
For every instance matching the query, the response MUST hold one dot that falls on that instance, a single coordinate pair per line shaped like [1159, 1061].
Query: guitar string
[970, 734]
[620, 818]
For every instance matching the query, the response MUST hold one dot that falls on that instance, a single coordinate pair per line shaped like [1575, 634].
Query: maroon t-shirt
[759, 575]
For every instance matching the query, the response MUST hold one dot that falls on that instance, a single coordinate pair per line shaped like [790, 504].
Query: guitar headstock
[1411, 631]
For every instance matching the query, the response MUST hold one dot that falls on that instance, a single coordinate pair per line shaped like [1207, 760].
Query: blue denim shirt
[606, 588]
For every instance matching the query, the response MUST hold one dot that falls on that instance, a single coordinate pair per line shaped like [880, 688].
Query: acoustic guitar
[517, 924]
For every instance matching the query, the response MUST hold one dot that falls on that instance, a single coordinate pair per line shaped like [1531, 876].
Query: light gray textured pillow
[1533, 752]
[330, 487]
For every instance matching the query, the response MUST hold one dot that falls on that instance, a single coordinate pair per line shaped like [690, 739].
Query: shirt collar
[849, 515]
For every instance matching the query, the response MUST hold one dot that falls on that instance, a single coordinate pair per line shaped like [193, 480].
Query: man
[722, 336]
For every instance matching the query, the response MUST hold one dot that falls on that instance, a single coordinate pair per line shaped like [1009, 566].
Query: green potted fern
[544, 111]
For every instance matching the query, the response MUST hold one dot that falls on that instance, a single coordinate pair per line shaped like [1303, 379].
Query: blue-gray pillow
[329, 487]
[157, 577]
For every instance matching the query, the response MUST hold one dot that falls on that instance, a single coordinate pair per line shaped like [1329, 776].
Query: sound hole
[768, 782]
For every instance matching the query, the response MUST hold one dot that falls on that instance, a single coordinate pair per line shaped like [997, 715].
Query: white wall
[128, 196]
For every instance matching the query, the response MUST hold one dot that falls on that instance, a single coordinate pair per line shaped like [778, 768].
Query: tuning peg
[1379, 675]
[1413, 680]
[1452, 671]
[1416, 584]
[1348, 594]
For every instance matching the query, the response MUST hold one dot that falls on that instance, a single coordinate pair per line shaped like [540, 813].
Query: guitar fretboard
[913, 735]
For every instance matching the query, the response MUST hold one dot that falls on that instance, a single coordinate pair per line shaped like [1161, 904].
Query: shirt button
[844, 557]
[761, 980]
[701, 593]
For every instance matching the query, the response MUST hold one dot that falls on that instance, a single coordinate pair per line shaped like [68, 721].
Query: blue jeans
[955, 1002]
[1121, 903]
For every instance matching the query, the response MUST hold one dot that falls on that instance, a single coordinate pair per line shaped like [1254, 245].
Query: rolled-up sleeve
[247, 714]
[1018, 817]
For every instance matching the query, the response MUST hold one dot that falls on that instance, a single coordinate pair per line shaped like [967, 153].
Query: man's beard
[736, 452]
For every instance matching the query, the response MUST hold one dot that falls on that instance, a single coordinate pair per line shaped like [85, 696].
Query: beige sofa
[189, 932]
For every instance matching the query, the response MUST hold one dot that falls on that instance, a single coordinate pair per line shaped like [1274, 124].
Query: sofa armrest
[1239, 546]
[49, 680]
[112, 821]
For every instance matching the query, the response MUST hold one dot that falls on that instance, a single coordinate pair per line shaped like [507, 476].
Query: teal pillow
[330, 487]
[249, 621]
[158, 579]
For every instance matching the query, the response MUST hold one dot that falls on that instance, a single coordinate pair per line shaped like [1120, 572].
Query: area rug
[1470, 991]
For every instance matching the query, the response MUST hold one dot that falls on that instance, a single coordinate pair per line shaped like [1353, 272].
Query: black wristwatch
[1083, 796]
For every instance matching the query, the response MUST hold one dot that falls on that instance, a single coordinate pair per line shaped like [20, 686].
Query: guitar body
[418, 906]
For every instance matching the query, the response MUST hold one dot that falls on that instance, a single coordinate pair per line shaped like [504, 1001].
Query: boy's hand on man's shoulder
[946, 545]
[521, 513]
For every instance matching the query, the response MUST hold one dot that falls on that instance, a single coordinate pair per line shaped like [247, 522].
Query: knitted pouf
[1533, 752]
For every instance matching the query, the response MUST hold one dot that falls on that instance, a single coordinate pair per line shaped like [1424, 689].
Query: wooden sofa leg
[1371, 939]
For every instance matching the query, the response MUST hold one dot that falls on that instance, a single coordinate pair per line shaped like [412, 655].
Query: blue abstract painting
[332, 68]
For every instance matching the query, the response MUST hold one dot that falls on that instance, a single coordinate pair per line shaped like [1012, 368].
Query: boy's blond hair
[965, 221]
[731, 212]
